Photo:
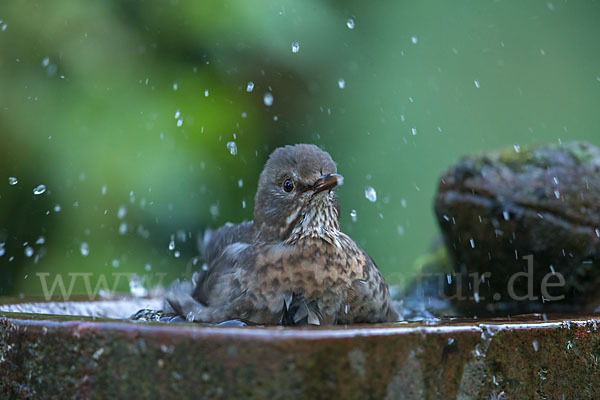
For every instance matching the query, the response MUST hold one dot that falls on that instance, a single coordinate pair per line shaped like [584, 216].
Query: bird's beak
[327, 182]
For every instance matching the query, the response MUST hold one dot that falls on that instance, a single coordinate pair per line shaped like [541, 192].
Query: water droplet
[517, 148]
[350, 23]
[103, 191]
[550, 6]
[370, 194]
[115, 263]
[557, 194]
[177, 114]
[57, 208]
[243, 203]
[476, 82]
[206, 93]
[12, 181]
[172, 245]
[148, 267]
[41, 240]
[295, 47]
[506, 215]
[84, 249]
[46, 62]
[555, 179]
[400, 230]
[123, 228]
[2, 249]
[353, 214]
[122, 212]
[413, 131]
[214, 210]
[250, 87]
[240, 183]
[136, 287]
[598, 232]
[232, 147]
[535, 344]
[268, 99]
[179, 122]
[177, 254]
[175, 86]
[39, 190]
[341, 83]
[28, 251]
[414, 39]
[472, 242]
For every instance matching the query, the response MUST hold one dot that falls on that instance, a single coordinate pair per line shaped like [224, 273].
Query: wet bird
[292, 264]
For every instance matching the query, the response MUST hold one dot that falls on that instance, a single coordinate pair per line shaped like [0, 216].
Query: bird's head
[295, 197]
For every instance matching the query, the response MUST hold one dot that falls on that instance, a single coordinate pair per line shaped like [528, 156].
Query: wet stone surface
[532, 211]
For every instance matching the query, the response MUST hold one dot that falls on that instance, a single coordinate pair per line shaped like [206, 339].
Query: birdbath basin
[91, 350]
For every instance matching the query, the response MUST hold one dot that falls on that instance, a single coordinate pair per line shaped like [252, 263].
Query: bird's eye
[288, 185]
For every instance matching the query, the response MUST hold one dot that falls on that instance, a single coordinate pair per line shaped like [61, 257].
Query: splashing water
[12, 181]
[84, 249]
[136, 287]
[268, 99]
[370, 194]
[39, 190]
[28, 251]
[232, 147]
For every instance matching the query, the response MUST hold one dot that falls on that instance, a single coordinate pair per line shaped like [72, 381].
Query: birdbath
[73, 349]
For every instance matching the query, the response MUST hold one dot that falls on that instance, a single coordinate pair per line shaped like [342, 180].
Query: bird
[291, 264]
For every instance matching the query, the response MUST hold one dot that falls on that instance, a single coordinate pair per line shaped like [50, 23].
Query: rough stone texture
[543, 201]
[58, 357]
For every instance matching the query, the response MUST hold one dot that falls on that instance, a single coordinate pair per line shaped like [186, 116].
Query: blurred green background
[123, 111]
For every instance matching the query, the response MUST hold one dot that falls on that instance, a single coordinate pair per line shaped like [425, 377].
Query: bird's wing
[214, 242]
[223, 264]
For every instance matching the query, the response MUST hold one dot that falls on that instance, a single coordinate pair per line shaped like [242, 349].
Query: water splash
[84, 249]
[232, 147]
[136, 287]
[268, 99]
[122, 212]
[12, 181]
[370, 194]
[40, 189]
[28, 251]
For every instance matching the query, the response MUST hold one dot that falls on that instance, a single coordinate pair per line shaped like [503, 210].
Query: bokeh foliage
[89, 93]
